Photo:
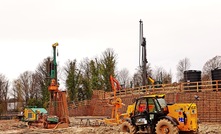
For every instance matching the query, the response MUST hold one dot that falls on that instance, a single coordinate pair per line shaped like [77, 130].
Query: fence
[201, 86]
[209, 106]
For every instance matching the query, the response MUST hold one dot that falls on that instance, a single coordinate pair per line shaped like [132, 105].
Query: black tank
[216, 75]
[192, 76]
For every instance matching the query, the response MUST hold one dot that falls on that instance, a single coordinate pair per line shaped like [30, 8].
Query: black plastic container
[216, 75]
[192, 76]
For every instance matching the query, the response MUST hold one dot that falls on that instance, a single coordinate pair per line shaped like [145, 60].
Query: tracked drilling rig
[58, 108]
[57, 115]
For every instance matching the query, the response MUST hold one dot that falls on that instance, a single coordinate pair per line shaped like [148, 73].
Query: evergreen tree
[108, 67]
[73, 80]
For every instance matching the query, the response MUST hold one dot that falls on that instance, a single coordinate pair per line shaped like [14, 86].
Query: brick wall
[209, 105]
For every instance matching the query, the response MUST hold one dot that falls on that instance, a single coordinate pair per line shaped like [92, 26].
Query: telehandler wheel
[127, 127]
[165, 126]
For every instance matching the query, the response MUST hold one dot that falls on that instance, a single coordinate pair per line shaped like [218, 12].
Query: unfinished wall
[209, 105]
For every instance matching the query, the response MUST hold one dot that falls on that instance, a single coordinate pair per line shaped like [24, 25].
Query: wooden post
[197, 87]
[126, 91]
[163, 86]
[217, 85]
[181, 88]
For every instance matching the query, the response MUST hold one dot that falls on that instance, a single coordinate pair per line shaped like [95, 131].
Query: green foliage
[35, 102]
[73, 78]
[91, 75]
[86, 91]
[108, 67]
[96, 80]
[45, 93]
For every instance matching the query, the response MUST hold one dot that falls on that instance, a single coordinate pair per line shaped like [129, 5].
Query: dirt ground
[78, 127]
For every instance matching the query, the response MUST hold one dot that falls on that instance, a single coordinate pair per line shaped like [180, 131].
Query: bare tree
[160, 75]
[4, 85]
[26, 88]
[137, 77]
[31, 88]
[17, 94]
[182, 66]
[167, 77]
[137, 80]
[214, 63]
[123, 77]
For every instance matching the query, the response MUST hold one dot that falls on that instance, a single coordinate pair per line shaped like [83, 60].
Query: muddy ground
[78, 127]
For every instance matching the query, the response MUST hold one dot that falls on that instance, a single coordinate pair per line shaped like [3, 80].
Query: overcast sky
[174, 29]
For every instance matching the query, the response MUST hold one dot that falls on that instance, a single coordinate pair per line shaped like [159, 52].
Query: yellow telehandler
[151, 114]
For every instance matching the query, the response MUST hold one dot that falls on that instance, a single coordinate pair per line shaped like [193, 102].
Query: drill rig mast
[142, 54]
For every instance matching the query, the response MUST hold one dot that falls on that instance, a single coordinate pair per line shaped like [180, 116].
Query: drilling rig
[143, 55]
[142, 50]
[57, 115]
[58, 108]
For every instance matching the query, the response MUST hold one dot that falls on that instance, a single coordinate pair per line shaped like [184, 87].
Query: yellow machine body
[130, 109]
[185, 114]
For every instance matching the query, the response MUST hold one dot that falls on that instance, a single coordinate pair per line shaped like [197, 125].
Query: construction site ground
[78, 126]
